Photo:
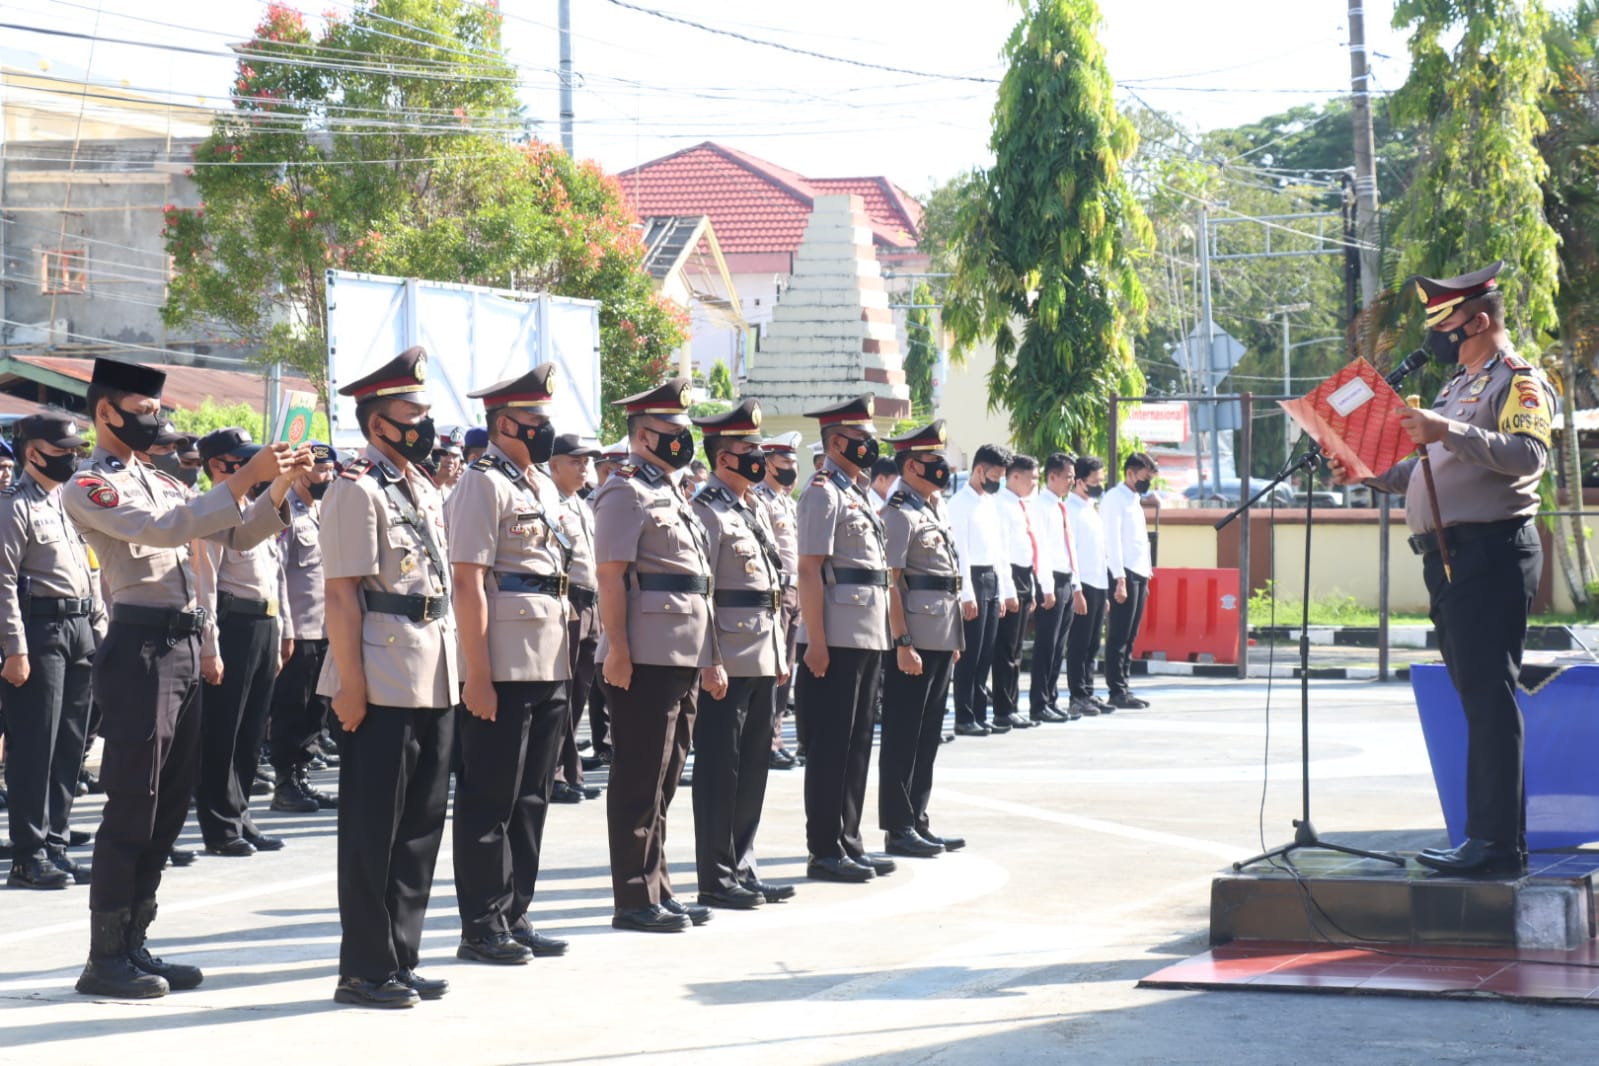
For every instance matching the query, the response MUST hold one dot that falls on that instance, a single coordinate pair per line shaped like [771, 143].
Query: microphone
[1412, 363]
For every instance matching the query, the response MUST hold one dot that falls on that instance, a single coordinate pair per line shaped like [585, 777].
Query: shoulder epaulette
[822, 477]
[1516, 362]
[482, 462]
[357, 470]
[625, 470]
[898, 499]
[713, 494]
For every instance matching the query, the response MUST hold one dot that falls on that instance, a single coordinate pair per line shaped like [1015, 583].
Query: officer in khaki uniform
[568, 468]
[1487, 439]
[51, 618]
[655, 615]
[732, 731]
[391, 674]
[139, 522]
[925, 621]
[776, 494]
[510, 560]
[843, 593]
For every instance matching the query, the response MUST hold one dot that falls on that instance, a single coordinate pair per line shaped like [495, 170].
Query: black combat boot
[181, 978]
[109, 971]
[291, 795]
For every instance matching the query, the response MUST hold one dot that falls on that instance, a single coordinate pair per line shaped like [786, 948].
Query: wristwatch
[903, 642]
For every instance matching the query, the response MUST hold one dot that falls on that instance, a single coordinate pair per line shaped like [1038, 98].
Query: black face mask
[57, 468]
[318, 489]
[786, 478]
[1094, 491]
[863, 453]
[138, 431]
[416, 439]
[936, 471]
[172, 466]
[540, 441]
[676, 450]
[751, 467]
[991, 487]
[1445, 347]
[1141, 486]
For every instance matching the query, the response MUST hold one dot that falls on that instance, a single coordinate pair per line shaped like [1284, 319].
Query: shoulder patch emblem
[1526, 409]
[1516, 362]
[100, 491]
[356, 470]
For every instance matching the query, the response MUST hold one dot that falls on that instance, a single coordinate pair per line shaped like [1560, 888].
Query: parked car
[1206, 494]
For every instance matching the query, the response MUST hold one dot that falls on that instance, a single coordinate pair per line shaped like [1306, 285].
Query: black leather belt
[976, 570]
[231, 606]
[416, 608]
[547, 584]
[177, 623]
[849, 575]
[55, 607]
[1063, 577]
[1466, 533]
[933, 582]
[771, 599]
[667, 583]
[582, 596]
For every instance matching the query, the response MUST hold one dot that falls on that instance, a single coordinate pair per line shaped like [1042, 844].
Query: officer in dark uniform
[655, 616]
[843, 594]
[1487, 438]
[925, 622]
[139, 522]
[51, 618]
[392, 677]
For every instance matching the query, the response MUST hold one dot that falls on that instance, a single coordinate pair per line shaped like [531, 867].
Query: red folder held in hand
[1352, 415]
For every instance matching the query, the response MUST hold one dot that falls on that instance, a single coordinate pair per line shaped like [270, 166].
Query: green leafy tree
[1044, 256]
[720, 383]
[921, 353]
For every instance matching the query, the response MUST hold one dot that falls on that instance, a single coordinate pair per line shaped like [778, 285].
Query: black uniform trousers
[971, 695]
[788, 618]
[1481, 618]
[394, 776]
[1121, 633]
[234, 724]
[148, 685]
[583, 633]
[651, 723]
[1082, 645]
[732, 755]
[1051, 630]
[502, 795]
[913, 730]
[599, 714]
[838, 746]
[47, 723]
[1008, 645]
[298, 713]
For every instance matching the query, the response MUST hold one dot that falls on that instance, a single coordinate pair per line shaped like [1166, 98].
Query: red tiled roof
[756, 206]
[187, 386]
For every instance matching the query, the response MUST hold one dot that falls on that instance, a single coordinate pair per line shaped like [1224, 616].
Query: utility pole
[565, 21]
[1211, 377]
[1366, 234]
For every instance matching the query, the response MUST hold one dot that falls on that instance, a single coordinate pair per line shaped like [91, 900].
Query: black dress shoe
[37, 872]
[770, 892]
[591, 763]
[76, 838]
[781, 759]
[880, 865]
[388, 993]
[498, 950]
[1128, 702]
[589, 792]
[1088, 707]
[565, 793]
[1014, 721]
[424, 987]
[542, 947]
[947, 843]
[971, 729]
[1477, 858]
[76, 871]
[651, 919]
[908, 842]
[237, 848]
[839, 869]
[262, 842]
[692, 911]
[737, 898]
[1048, 714]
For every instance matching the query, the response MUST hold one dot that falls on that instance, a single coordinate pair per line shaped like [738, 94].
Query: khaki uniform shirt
[642, 519]
[364, 535]
[256, 573]
[750, 642]
[140, 522]
[780, 509]
[1487, 468]
[505, 518]
[919, 542]
[836, 520]
[41, 554]
[305, 610]
[577, 520]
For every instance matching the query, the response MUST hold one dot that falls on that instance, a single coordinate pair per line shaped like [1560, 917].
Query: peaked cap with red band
[668, 401]
[535, 389]
[932, 437]
[404, 375]
[856, 412]
[1442, 295]
[742, 421]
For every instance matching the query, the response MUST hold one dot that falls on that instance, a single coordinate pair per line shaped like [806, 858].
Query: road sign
[1225, 352]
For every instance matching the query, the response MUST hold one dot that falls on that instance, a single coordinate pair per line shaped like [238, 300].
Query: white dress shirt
[980, 538]
[1088, 536]
[1054, 526]
[1126, 535]
[1023, 544]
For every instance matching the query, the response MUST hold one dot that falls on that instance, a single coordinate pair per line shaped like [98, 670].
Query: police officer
[843, 594]
[298, 713]
[50, 620]
[655, 616]
[243, 590]
[1487, 438]
[509, 558]
[776, 493]
[139, 523]
[568, 469]
[732, 730]
[925, 623]
[391, 675]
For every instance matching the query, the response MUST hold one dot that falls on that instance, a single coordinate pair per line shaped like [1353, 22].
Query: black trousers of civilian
[971, 673]
[732, 754]
[502, 795]
[1008, 645]
[149, 687]
[1051, 630]
[1082, 646]
[913, 730]
[651, 723]
[838, 746]
[47, 721]
[1122, 632]
[394, 775]
[1481, 617]
[297, 711]
[583, 637]
[233, 724]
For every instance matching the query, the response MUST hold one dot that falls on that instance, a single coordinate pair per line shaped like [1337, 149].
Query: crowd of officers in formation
[451, 613]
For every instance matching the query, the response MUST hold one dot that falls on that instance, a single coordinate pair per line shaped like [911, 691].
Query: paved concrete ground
[1092, 846]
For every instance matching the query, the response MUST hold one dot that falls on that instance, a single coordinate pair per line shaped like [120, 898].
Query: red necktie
[1030, 538]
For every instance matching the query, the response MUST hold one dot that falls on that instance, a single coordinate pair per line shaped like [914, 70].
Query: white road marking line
[1212, 848]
